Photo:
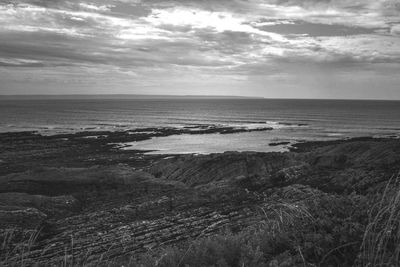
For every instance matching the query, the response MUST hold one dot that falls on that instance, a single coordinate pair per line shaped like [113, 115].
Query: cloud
[220, 40]
[312, 29]
[95, 7]
[395, 30]
[15, 62]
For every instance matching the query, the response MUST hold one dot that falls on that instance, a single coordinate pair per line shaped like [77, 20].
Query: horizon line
[144, 96]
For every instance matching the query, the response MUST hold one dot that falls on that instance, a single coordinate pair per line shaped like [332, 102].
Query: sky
[270, 48]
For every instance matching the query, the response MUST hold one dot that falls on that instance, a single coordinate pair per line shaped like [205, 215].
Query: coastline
[87, 148]
[75, 184]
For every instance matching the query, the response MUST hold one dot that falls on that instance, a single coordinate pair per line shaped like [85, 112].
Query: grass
[16, 245]
[325, 230]
[266, 244]
[381, 241]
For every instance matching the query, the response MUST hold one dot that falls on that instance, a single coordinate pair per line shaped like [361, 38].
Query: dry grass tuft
[280, 217]
[15, 245]
[381, 241]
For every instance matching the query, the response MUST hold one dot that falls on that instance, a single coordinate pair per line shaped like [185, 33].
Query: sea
[292, 120]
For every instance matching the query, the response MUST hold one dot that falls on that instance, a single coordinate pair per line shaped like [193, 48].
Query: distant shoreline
[169, 97]
[119, 97]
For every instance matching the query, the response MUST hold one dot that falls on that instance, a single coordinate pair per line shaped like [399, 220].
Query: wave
[265, 124]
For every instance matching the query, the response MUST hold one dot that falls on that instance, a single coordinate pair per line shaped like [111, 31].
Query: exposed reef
[279, 143]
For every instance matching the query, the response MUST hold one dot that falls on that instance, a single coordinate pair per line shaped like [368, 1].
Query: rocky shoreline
[77, 198]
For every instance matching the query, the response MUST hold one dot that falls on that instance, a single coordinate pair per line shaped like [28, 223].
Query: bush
[323, 230]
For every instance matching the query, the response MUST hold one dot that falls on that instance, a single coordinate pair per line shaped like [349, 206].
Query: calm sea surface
[318, 119]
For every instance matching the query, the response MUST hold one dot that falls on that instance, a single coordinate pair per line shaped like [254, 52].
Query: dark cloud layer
[183, 45]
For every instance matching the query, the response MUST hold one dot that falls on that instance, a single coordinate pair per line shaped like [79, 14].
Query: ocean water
[292, 120]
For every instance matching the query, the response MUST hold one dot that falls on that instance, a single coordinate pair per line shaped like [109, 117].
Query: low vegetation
[328, 204]
[317, 230]
[324, 231]
[381, 240]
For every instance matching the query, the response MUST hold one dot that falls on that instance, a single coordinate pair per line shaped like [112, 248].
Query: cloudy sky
[270, 48]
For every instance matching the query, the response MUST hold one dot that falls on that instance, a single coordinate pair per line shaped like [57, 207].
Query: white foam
[334, 134]
[261, 125]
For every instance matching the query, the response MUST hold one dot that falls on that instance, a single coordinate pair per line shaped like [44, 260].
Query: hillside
[76, 201]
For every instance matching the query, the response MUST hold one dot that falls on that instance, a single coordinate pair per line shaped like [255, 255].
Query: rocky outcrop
[195, 170]
[51, 206]
[59, 181]
[21, 217]
[361, 166]
[102, 236]
[360, 153]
